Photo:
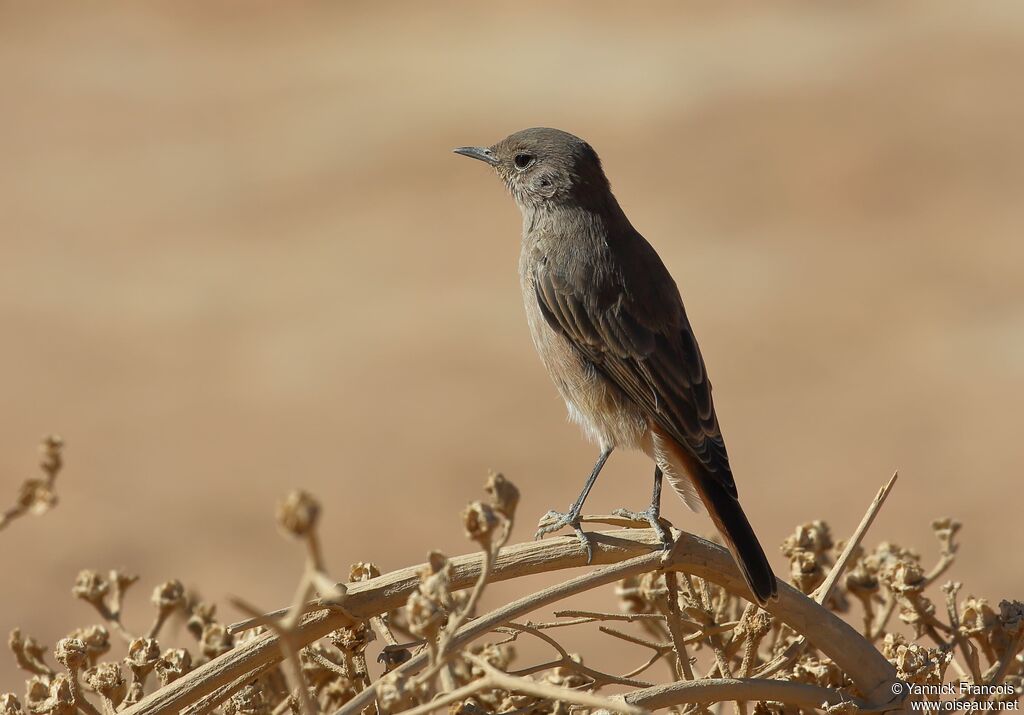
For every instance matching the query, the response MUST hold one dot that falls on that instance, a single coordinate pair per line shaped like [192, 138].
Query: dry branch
[853, 654]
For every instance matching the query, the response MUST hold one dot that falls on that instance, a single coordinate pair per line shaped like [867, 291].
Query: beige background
[237, 257]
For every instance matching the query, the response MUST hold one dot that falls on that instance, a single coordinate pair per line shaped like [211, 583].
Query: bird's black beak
[477, 152]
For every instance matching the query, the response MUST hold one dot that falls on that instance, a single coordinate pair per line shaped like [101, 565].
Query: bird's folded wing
[648, 351]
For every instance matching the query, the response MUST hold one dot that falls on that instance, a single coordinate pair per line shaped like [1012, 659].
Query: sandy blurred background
[237, 257]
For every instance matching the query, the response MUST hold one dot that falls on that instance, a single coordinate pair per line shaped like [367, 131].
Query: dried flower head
[394, 693]
[251, 700]
[201, 614]
[806, 570]
[298, 513]
[814, 536]
[72, 653]
[37, 690]
[36, 496]
[424, 615]
[915, 663]
[29, 653]
[96, 640]
[434, 580]
[352, 639]
[107, 680]
[91, 587]
[503, 493]
[173, 664]
[143, 654]
[60, 697]
[976, 616]
[1009, 636]
[363, 571]
[10, 705]
[169, 595]
[215, 640]
[479, 520]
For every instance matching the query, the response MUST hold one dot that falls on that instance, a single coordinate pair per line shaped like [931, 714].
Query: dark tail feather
[725, 511]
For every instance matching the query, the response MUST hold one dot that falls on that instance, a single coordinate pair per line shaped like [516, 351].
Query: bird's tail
[728, 516]
[697, 488]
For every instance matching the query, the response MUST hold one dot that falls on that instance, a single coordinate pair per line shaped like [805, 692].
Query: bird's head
[544, 167]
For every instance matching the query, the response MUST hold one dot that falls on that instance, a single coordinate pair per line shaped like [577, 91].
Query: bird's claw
[652, 518]
[555, 520]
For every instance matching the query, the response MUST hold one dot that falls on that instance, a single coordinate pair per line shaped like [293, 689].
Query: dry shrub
[686, 610]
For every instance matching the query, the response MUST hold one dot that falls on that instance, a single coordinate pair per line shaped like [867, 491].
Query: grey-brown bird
[609, 325]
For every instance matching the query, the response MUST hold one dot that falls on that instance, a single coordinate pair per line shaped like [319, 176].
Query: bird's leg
[555, 520]
[653, 513]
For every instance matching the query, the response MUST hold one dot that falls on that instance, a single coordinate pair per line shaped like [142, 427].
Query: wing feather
[643, 344]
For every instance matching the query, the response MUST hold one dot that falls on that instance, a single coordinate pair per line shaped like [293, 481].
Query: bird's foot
[651, 517]
[555, 520]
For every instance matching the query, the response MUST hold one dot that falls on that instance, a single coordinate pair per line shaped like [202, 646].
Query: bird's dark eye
[523, 160]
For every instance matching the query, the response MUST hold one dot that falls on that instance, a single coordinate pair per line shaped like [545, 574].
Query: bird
[608, 322]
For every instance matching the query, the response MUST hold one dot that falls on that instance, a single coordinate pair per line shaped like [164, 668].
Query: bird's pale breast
[606, 415]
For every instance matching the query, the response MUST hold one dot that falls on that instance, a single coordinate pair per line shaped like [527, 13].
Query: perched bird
[609, 325]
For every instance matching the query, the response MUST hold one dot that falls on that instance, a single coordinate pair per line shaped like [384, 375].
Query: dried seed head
[10, 705]
[861, 582]
[173, 664]
[814, 536]
[755, 625]
[1011, 617]
[50, 460]
[90, 587]
[1009, 636]
[143, 654]
[96, 639]
[251, 700]
[122, 581]
[37, 690]
[363, 571]
[394, 692]
[337, 692]
[976, 616]
[29, 653]
[168, 596]
[107, 680]
[479, 520]
[215, 640]
[201, 615]
[424, 615]
[36, 496]
[914, 663]
[946, 530]
[504, 495]
[72, 654]
[60, 699]
[499, 656]
[436, 562]
[298, 513]
[906, 578]
[352, 639]
[806, 570]
[434, 580]
[812, 670]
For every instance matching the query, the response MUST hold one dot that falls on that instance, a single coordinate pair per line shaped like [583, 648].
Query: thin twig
[550, 692]
[675, 628]
[823, 591]
[296, 679]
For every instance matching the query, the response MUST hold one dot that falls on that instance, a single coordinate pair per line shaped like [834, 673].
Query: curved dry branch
[634, 550]
[712, 690]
